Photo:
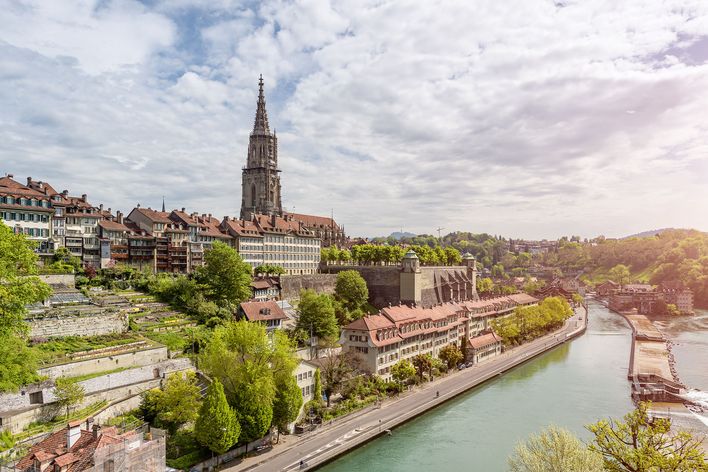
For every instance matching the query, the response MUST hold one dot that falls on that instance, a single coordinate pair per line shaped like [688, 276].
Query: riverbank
[339, 438]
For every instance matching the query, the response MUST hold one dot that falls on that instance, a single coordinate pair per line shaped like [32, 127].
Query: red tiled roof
[154, 216]
[488, 339]
[113, 226]
[314, 221]
[241, 228]
[263, 311]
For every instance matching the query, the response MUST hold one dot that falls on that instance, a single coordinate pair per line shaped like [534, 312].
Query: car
[461, 366]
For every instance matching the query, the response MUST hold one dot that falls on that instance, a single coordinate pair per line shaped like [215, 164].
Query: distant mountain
[398, 235]
[648, 234]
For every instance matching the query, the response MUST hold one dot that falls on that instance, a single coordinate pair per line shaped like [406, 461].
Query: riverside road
[330, 441]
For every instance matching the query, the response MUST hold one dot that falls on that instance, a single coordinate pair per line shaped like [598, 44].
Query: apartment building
[403, 331]
[27, 211]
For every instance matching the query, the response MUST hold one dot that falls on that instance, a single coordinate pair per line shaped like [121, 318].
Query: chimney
[138, 205]
[119, 217]
[183, 209]
[29, 181]
[10, 176]
[272, 220]
[100, 207]
[109, 210]
[73, 433]
[65, 193]
[89, 423]
[83, 197]
[96, 429]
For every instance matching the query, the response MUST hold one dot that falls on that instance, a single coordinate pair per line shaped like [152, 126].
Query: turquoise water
[571, 386]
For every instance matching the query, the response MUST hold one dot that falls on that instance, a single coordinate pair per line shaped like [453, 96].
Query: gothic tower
[260, 184]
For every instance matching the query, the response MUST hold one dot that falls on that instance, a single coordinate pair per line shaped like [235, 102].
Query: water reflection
[573, 385]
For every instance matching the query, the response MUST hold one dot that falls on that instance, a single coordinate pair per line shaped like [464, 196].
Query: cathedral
[260, 183]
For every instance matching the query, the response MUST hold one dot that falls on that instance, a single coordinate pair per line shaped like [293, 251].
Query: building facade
[403, 331]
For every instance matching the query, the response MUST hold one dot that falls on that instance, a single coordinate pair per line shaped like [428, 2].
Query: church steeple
[260, 186]
[260, 124]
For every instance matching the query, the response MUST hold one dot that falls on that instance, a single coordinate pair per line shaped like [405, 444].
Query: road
[333, 440]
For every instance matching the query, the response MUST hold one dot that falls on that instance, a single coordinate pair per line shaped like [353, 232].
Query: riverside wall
[291, 285]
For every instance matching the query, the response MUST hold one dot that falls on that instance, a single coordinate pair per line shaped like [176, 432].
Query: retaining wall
[110, 362]
[93, 324]
[292, 284]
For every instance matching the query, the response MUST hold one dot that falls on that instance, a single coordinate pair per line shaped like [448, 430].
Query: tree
[18, 363]
[485, 285]
[217, 427]
[287, 402]
[225, 277]
[336, 368]
[403, 371]
[620, 274]
[18, 287]
[247, 362]
[450, 355]
[350, 290]
[317, 387]
[644, 444]
[316, 315]
[180, 400]
[68, 393]
[423, 363]
[267, 269]
[554, 449]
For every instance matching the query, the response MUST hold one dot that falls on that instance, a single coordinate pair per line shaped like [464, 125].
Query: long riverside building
[402, 332]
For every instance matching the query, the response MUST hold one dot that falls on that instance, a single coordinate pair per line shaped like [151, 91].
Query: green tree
[337, 367]
[287, 402]
[554, 449]
[18, 289]
[316, 314]
[317, 387]
[450, 355]
[18, 363]
[423, 363]
[268, 269]
[247, 362]
[180, 400]
[68, 393]
[225, 277]
[620, 274]
[217, 427]
[644, 444]
[485, 285]
[350, 290]
[403, 371]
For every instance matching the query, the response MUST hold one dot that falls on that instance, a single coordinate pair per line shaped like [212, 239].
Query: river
[570, 386]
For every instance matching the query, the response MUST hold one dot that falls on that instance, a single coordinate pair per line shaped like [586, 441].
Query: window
[109, 466]
[36, 398]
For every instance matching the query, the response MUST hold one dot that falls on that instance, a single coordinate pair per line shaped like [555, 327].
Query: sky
[524, 118]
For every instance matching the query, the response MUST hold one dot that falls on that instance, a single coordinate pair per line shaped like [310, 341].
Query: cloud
[519, 118]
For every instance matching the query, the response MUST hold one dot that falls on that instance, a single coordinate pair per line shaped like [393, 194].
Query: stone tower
[411, 279]
[469, 261]
[260, 184]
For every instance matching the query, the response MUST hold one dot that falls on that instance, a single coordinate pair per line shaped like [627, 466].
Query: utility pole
[439, 237]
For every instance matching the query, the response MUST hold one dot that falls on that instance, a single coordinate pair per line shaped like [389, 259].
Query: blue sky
[522, 118]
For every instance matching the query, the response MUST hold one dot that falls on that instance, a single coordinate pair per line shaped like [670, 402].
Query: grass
[59, 420]
[174, 340]
[81, 378]
[56, 349]
[188, 460]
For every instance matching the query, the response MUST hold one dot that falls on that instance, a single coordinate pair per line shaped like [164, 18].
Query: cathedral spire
[260, 125]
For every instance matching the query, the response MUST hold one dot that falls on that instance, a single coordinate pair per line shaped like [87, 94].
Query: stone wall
[58, 279]
[17, 411]
[383, 282]
[73, 325]
[110, 362]
[292, 284]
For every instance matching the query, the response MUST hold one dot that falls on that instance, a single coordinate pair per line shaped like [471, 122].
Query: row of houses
[403, 331]
[161, 241]
[647, 299]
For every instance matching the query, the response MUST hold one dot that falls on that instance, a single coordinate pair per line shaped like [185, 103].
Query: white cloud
[520, 118]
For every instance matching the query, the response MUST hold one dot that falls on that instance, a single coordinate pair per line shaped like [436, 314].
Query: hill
[650, 233]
